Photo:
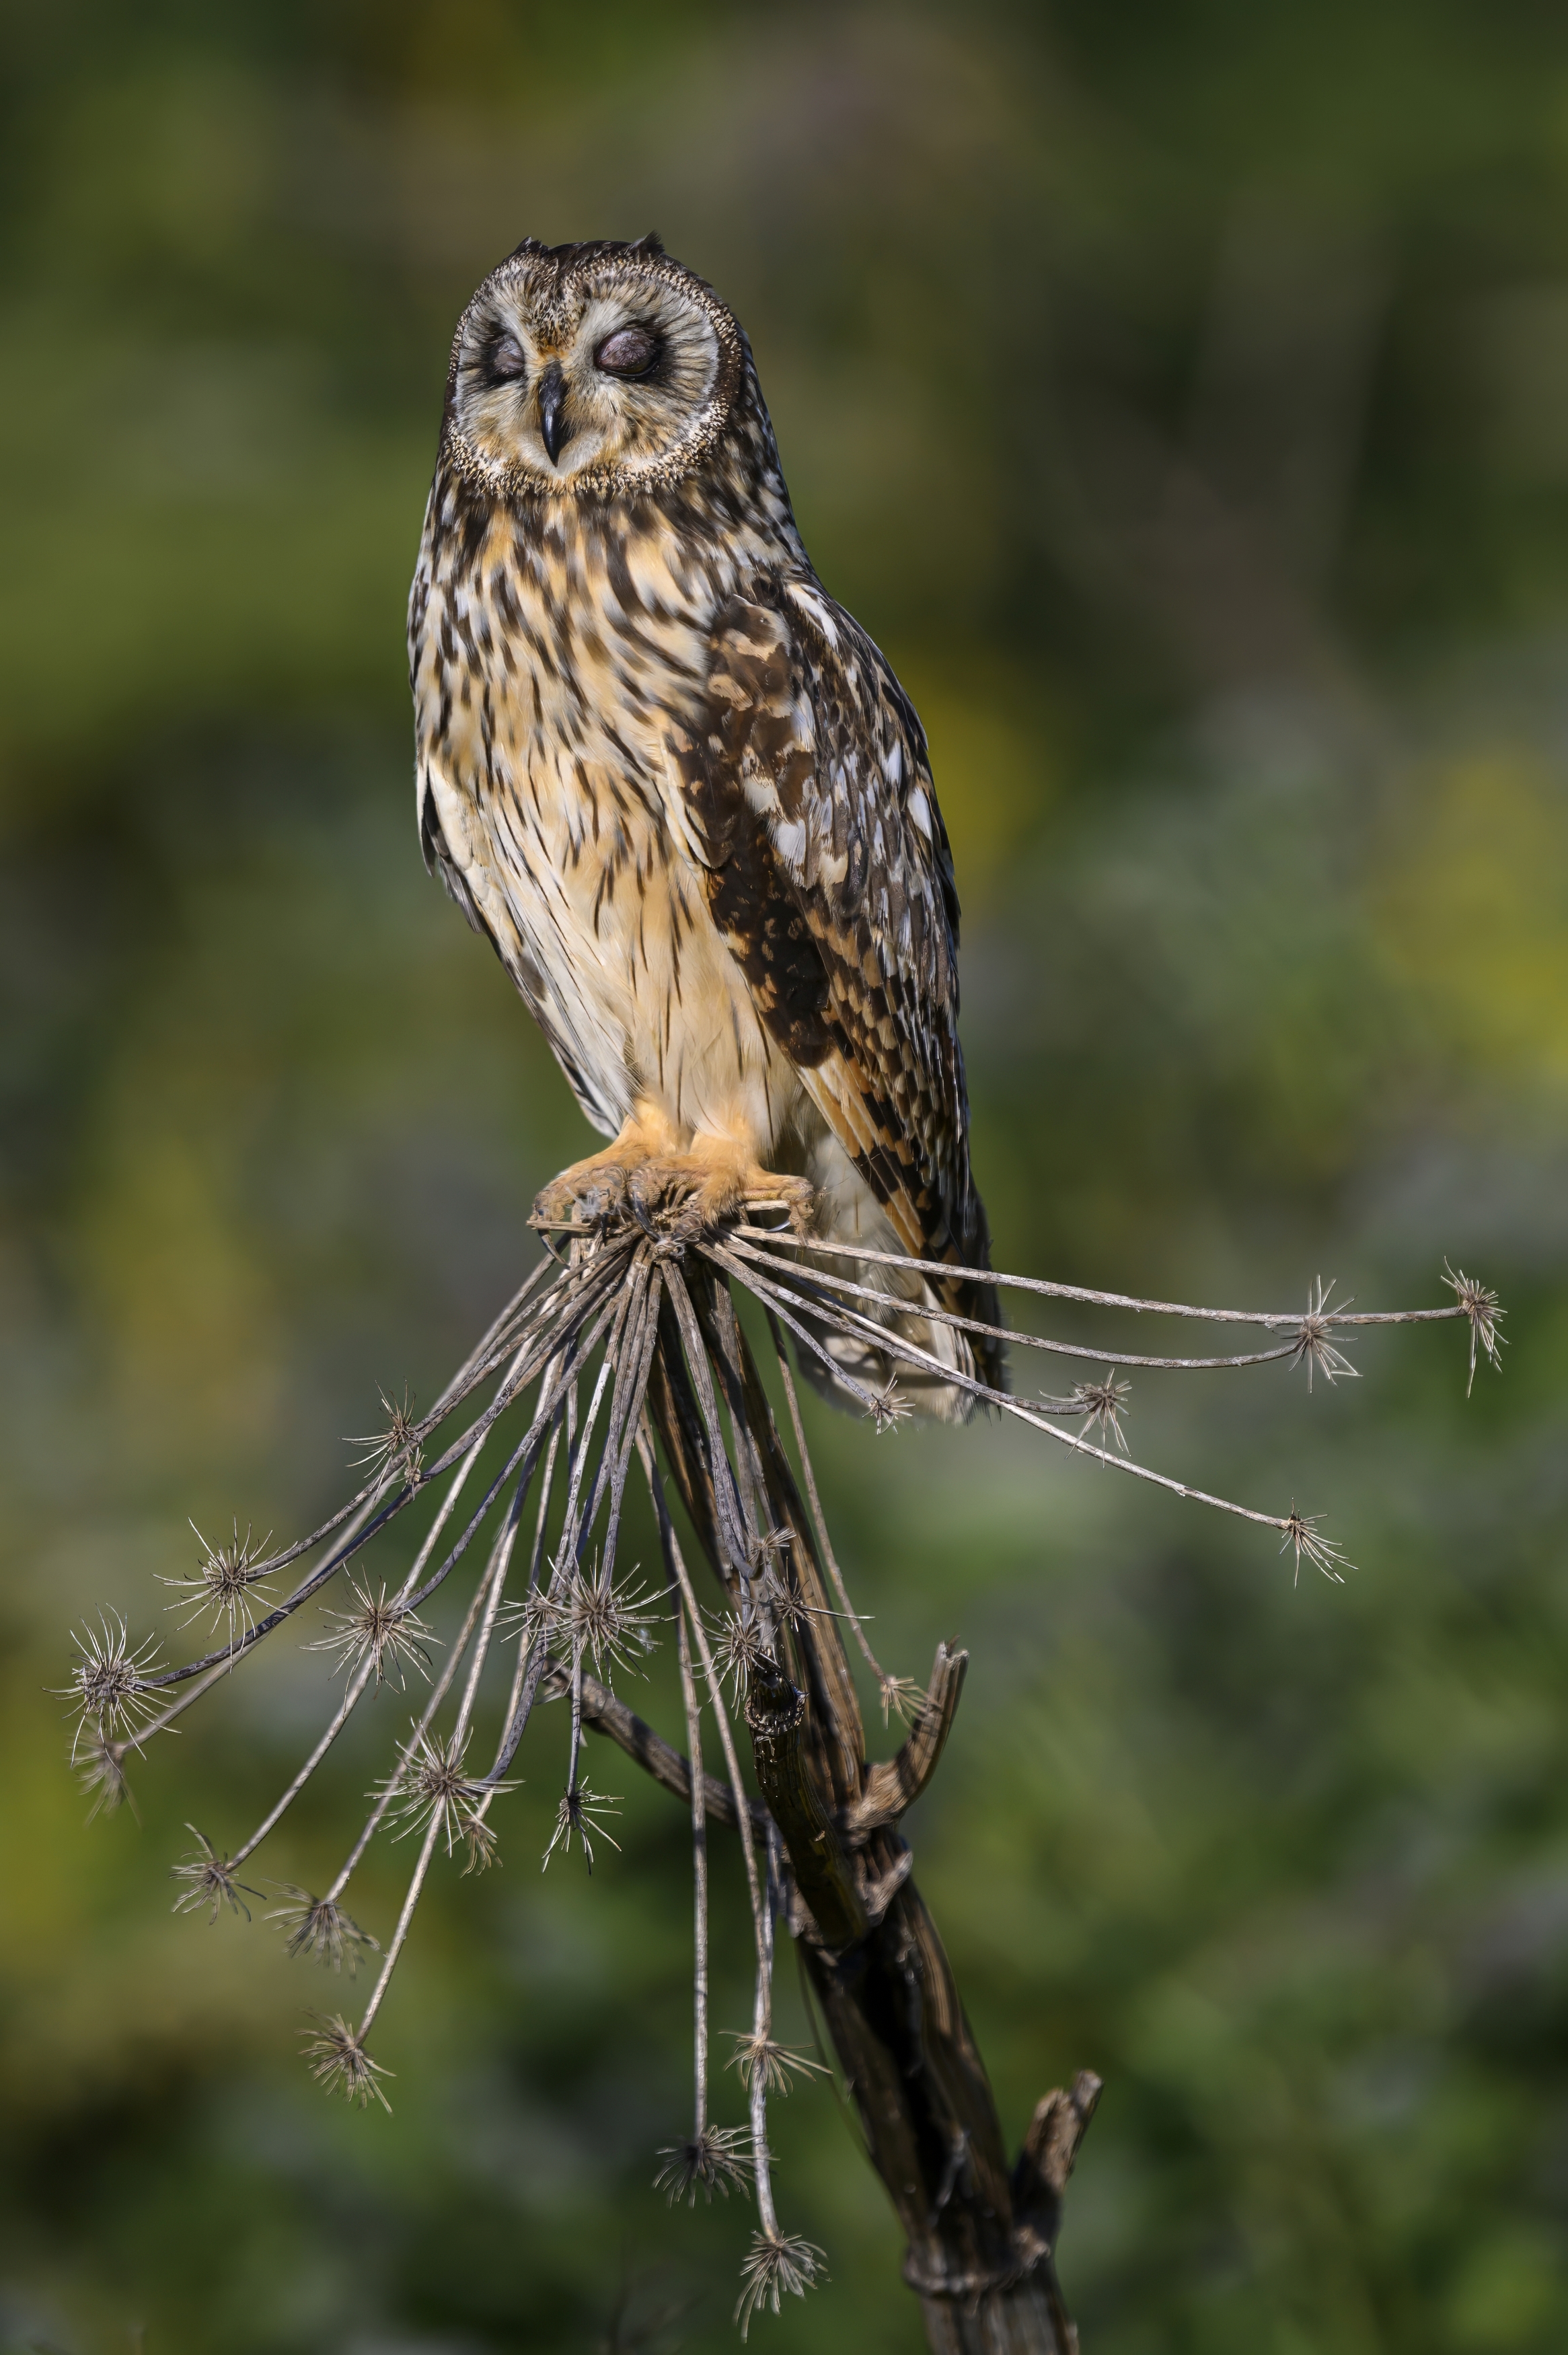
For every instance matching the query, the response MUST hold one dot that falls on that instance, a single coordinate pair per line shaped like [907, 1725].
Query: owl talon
[651, 1188]
[797, 1196]
[588, 1194]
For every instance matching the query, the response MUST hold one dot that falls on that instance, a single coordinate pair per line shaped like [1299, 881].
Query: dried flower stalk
[623, 1329]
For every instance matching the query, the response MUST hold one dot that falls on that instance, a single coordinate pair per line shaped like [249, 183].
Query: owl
[684, 795]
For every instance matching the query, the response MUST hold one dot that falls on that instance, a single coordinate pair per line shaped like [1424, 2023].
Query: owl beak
[553, 431]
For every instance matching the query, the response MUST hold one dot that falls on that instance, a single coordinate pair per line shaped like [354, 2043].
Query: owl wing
[808, 793]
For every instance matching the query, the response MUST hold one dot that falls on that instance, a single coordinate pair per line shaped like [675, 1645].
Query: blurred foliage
[1182, 394]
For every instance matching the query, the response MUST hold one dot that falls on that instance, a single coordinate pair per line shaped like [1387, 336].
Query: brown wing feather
[829, 873]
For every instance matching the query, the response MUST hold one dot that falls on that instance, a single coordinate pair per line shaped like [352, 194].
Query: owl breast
[550, 665]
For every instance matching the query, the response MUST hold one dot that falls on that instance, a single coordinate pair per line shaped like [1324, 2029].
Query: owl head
[590, 370]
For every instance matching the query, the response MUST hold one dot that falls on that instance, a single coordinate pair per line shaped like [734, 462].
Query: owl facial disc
[590, 370]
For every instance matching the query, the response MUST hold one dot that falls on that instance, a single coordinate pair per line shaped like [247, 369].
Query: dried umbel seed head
[210, 1880]
[1312, 1345]
[101, 1770]
[379, 1630]
[396, 1448]
[1302, 1532]
[110, 1691]
[782, 1603]
[901, 1698]
[589, 1617]
[318, 1927]
[224, 1584]
[887, 1409]
[1102, 1405]
[340, 2063]
[579, 1816]
[434, 1787]
[776, 2265]
[530, 1616]
[717, 2159]
[741, 1650]
[1480, 1306]
[756, 2054]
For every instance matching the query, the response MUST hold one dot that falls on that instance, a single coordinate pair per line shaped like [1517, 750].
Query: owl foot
[703, 1190]
[586, 1193]
[685, 1194]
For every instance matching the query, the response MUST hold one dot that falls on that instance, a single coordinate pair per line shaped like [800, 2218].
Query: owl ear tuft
[650, 245]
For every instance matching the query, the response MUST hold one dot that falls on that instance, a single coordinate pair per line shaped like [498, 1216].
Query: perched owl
[682, 791]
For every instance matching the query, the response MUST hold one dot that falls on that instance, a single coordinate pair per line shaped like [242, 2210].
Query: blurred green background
[1180, 394]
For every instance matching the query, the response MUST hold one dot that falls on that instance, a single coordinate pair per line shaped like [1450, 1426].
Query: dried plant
[714, 2159]
[589, 1617]
[210, 1880]
[887, 1409]
[580, 1817]
[624, 1337]
[777, 2063]
[385, 1635]
[433, 1790]
[101, 1776]
[112, 1692]
[320, 1929]
[1302, 1531]
[1312, 1345]
[1479, 1306]
[1102, 1405]
[224, 1583]
[901, 1698]
[397, 1447]
[741, 1647]
[339, 2062]
[776, 2265]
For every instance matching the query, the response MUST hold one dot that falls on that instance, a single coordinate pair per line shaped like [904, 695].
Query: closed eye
[629, 352]
[505, 360]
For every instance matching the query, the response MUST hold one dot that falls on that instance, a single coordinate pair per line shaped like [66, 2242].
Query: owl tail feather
[848, 1213]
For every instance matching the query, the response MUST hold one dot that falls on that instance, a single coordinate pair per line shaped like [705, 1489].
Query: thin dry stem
[1001, 1282]
[675, 1561]
[699, 1865]
[818, 1519]
[891, 1344]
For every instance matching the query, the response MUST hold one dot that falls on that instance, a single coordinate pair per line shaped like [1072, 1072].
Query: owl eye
[630, 351]
[505, 360]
